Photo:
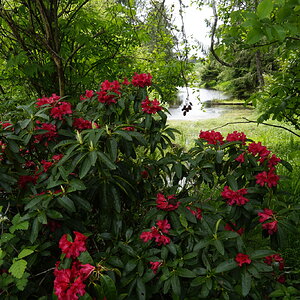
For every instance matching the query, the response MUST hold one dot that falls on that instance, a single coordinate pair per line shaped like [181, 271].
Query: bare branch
[250, 121]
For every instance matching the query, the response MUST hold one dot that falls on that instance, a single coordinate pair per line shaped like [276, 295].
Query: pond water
[198, 97]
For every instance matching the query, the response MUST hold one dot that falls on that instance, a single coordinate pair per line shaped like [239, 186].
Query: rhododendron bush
[98, 202]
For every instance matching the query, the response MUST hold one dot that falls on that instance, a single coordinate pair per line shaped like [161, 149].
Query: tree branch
[212, 40]
[250, 121]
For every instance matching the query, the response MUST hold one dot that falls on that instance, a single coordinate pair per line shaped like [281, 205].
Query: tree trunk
[259, 71]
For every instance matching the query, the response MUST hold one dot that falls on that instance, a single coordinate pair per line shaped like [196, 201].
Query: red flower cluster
[236, 136]
[45, 100]
[109, 92]
[241, 158]
[155, 265]
[5, 125]
[166, 204]
[88, 95]
[275, 259]
[156, 233]
[257, 148]
[25, 179]
[129, 128]
[73, 249]
[242, 259]
[234, 197]
[270, 227]
[228, 227]
[46, 165]
[61, 109]
[69, 283]
[57, 157]
[212, 137]
[141, 80]
[268, 178]
[49, 136]
[197, 213]
[81, 124]
[151, 107]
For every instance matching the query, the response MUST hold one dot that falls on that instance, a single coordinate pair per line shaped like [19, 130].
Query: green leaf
[76, 185]
[17, 269]
[264, 9]
[219, 156]
[34, 230]
[287, 165]
[148, 121]
[85, 258]
[246, 283]
[232, 182]
[183, 221]
[113, 148]
[21, 283]
[85, 167]
[175, 283]
[226, 266]
[53, 214]
[141, 289]
[198, 281]
[124, 135]
[261, 254]
[182, 272]
[254, 35]
[106, 160]
[219, 246]
[24, 253]
[67, 203]
[109, 287]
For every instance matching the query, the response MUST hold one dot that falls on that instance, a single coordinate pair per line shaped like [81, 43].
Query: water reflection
[197, 96]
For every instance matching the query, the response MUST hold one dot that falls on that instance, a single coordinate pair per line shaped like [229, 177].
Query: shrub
[149, 218]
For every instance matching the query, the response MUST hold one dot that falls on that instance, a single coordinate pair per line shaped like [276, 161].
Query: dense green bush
[148, 219]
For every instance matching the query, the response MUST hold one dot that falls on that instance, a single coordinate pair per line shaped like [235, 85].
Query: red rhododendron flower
[81, 124]
[266, 215]
[126, 81]
[257, 148]
[46, 165]
[88, 94]
[236, 136]
[51, 100]
[6, 124]
[228, 227]
[234, 197]
[145, 174]
[268, 178]
[50, 135]
[166, 204]
[129, 128]
[241, 158]
[151, 107]
[73, 249]
[163, 225]
[281, 279]
[57, 157]
[141, 80]
[25, 179]
[275, 259]
[273, 161]
[197, 213]
[155, 265]
[146, 236]
[212, 137]
[60, 110]
[68, 283]
[156, 233]
[271, 227]
[242, 259]
[109, 92]
[162, 240]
